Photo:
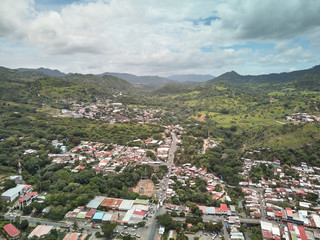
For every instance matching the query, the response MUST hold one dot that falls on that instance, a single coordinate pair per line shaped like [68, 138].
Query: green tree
[107, 229]
[24, 225]
[27, 210]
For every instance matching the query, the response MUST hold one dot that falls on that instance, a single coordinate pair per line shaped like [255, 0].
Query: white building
[12, 193]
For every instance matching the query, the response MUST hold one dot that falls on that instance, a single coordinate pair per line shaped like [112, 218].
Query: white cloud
[159, 37]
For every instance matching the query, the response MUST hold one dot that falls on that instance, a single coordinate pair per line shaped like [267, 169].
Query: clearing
[144, 187]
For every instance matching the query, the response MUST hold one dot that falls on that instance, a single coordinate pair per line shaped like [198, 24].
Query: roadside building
[72, 236]
[90, 213]
[95, 203]
[81, 216]
[126, 205]
[27, 199]
[210, 210]
[12, 193]
[224, 208]
[98, 216]
[11, 230]
[40, 230]
[236, 236]
[141, 201]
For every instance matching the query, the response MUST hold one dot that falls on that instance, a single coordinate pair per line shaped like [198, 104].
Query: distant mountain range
[157, 81]
[131, 78]
[139, 80]
[46, 71]
[191, 78]
[235, 78]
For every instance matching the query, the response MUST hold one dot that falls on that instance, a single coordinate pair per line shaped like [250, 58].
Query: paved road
[154, 225]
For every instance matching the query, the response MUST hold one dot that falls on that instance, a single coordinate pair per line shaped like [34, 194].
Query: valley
[230, 158]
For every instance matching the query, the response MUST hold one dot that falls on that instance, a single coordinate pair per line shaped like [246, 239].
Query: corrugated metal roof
[95, 203]
[107, 202]
[126, 204]
[13, 191]
[40, 231]
[210, 210]
[107, 217]
[81, 215]
[11, 230]
[223, 207]
[141, 201]
[98, 216]
[266, 226]
[91, 213]
[72, 236]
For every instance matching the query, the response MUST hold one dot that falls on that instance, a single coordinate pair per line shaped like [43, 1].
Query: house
[11, 230]
[72, 236]
[27, 199]
[224, 208]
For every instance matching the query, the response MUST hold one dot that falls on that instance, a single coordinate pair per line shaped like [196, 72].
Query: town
[282, 202]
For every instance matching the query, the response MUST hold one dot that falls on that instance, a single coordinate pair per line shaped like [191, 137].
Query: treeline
[67, 190]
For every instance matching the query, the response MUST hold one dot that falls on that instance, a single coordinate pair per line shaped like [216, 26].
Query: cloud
[159, 37]
[271, 19]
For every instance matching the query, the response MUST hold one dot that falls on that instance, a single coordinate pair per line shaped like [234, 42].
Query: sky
[167, 37]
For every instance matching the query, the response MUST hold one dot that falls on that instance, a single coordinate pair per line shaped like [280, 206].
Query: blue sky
[160, 37]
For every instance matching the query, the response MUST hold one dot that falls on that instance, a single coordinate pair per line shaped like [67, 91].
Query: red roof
[278, 214]
[303, 234]
[141, 213]
[267, 235]
[11, 230]
[27, 197]
[26, 187]
[91, 213]
[223, 207]
[290, 227]
[80, 167]
[217, 210]
[289, 212]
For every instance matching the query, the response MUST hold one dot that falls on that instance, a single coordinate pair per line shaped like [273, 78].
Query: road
[154, 225]
[260, 191]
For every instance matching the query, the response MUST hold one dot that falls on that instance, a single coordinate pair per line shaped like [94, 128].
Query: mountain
[34, 86]
[46, 71]
[236, 78]
[106, 81]
[140, 80]
[191, 77]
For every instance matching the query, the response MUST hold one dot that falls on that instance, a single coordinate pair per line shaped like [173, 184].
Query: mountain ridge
[235, 78]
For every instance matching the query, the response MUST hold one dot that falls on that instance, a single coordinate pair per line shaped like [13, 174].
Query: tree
[24, 225]
[165, 220]
[107, 229]
[151, 155]
[8, 183]
[75, 225]
[27, 210]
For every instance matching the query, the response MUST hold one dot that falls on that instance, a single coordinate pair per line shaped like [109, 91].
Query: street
[154, 226]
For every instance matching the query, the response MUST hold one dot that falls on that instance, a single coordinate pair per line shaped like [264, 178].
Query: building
[12, 193]
[11, 230]
[40, 230]
[72, 236]
[161, 230]
[224, 208]
[95, 203]
[27, 199]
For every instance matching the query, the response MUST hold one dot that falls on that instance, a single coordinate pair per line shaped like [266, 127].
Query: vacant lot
[145, 187]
